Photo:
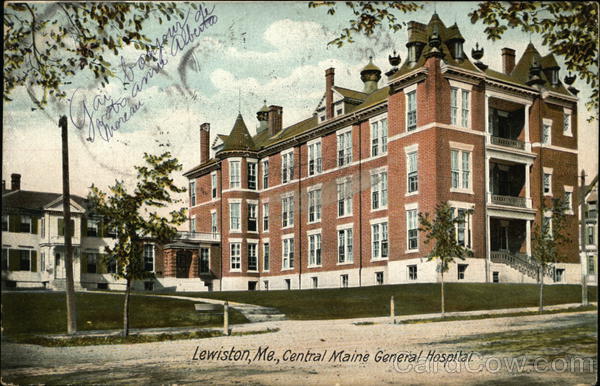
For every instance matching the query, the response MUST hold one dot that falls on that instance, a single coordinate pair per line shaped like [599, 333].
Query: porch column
[527, 185]
[488, 248]
[526, 128]
[528, 237]
[487, 113]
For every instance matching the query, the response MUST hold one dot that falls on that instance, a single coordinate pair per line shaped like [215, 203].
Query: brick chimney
[275, 119]
[329, 82]
[15, 181]
[508, 60]
[204, 142]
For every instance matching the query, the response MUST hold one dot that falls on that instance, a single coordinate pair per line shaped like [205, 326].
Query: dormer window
[457, 49]
[554, 76]
[412, 53]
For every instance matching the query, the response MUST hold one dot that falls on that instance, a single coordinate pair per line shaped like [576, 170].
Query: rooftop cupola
[395, 61]
[455, 42]
[263, 118]
[370, 75]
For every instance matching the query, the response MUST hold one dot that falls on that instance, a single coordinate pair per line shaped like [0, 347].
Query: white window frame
[252, 168]
[287, 166]
[461, 149]
[379, 189]
[213, 185]
[344, 280]
[235, 179]
[151, 247]
[287, 252]
[235, 260]
[214, 225]
[546, 123]
[408, 91]
[412, 209]
[416, 272]
[265, 173]
[266, 255]
[344, 149]
[256, 256]
[345, 233]
[287, 210]
[409, 151]
[252, 204]
[569, 193]
[379, 135]
[232, 203]
[200, 259]
[568, 118]
[314, 204]
[459, 119]
[379, 233]
[547, 171]
[193, 193]
[265, 217]
[344, 196]
[315, 160]
[456, 206]
[315, 253]
[377, 281]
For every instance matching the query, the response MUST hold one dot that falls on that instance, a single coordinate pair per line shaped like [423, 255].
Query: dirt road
[330, 352]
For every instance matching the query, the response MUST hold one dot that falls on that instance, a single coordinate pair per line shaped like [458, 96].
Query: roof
[239, 138]
[352, 94]
[30, 200]
[370, 66]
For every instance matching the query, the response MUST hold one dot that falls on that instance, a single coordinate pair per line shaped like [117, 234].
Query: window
[460, 166]
[252, 175]
[457, 50]
[287, 211]
[459, 107]
[547, 184]
[379, 190]
[379, 133]
[92, 228]
[379, 241]
[315, 282]
[235, 253]
[92, 261]
[559, 275]
[411, 110]
[265, 174]
[234, 216]
[266, 285]
[344, 281]
[314, 205]
[61, 227]
[43, 261]
[345, 246]
[412, 229]
[213, 222]
[412, 272]
[149, 257]
[112, 265]
[204, 266]
[192, 193]
[43, 227]
[568, 199]
[344, 148]
[315, 164]
[287, 166]
[4, 223]
[495, 277]
[412, 172]
[252, 218]
[288, 282]
[25, 260]
[266, 257]
[192, 224]
[314, 250]
[344, 197]
[379, 278]
[26, 224]
[590, 235]
[265, 217]
[234, 174]
[590, 265]
[567, 124]
[546, 130]
[252, 256]
[462, 229]
[462, 268]
[288, 253]
[213, 184]
[547, 224]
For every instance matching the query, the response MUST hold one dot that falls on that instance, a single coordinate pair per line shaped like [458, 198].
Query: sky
[248, 52]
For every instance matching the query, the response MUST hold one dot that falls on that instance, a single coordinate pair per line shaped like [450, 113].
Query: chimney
[275, 119]
[508, 60]
[204, 142]
[15, 181]
[329, 75]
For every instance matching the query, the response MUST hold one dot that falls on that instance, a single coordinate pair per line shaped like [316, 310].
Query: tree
[134, 217]
[569, 29]
[46, 44]
[549, 240]
[442, 231]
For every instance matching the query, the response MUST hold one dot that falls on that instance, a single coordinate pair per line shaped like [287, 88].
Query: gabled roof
[36, 201]
[348, 93]
[239, 138]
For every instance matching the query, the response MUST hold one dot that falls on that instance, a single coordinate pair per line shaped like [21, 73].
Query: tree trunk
[126, 309]
[443, 308]
[541, 290]
[70, 285]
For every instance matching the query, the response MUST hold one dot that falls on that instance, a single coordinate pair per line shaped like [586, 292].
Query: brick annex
[333, 200]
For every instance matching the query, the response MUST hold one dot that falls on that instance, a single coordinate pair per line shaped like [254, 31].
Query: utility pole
[582, 255]
[70, 285]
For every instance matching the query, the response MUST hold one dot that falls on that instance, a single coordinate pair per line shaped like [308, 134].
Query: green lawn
[410, 299]
[44, 312]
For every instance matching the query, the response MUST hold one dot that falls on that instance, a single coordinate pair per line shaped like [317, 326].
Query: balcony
[210, 237]
[507, 142]
[519, 202]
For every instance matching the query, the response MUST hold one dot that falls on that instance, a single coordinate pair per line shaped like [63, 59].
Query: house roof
[348, 93]
[239, 138]
[30, 200]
